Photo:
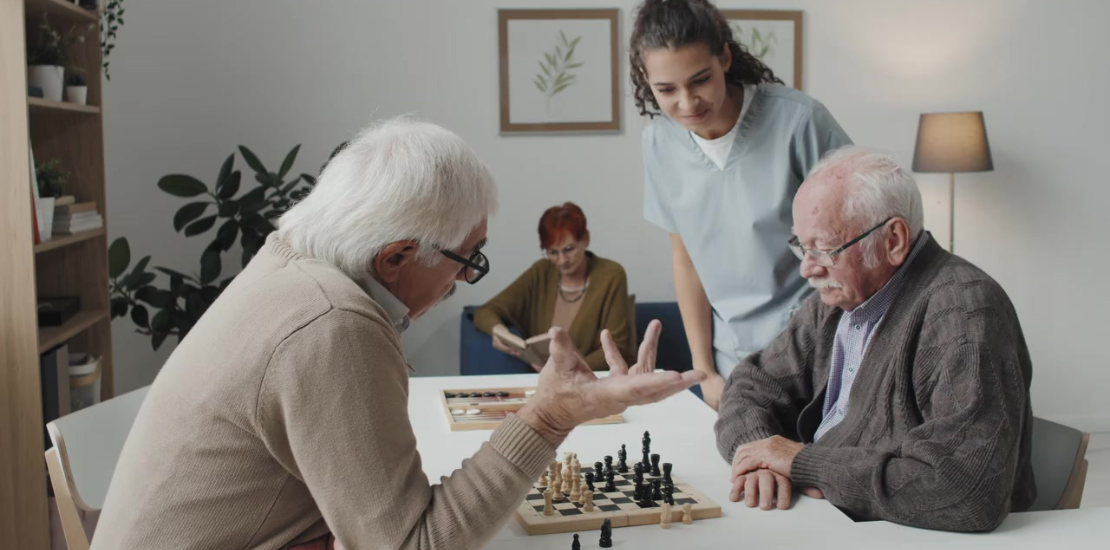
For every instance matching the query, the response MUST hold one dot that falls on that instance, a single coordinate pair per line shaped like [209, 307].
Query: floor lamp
[951, 143]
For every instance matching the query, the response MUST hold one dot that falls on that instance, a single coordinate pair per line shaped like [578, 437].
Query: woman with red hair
[570, 288]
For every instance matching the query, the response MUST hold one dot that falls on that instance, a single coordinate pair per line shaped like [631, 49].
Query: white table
[682, 433]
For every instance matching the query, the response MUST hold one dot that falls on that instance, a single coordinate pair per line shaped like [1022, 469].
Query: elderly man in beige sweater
[283, 416]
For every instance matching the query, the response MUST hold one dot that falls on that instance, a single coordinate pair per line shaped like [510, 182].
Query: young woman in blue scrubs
[721, 168]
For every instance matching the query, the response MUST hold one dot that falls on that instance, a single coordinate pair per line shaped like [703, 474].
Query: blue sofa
[478, 356]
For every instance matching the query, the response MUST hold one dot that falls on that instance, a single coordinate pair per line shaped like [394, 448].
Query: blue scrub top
[735, 221]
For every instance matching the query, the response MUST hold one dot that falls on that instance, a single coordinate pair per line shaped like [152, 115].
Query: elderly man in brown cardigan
[901, 390]
[283, 415]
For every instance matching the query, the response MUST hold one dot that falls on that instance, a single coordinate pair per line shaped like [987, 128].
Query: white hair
[878, 188]
[400, 179]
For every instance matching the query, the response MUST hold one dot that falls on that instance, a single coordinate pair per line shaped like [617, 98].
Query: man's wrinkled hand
[776, 453]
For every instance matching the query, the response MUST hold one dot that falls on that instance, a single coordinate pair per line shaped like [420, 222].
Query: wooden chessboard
[619, 507]
[485, 408]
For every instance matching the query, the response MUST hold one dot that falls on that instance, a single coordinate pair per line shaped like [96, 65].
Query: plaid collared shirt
[853, 334]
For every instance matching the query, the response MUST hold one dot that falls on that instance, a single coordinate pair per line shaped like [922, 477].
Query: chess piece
[606, 534]
[543, 479]
[665, 516]
[645, 496]
[575, 545]
[647, 458]
[608, 464]
[668, 493]
[622, 465]
[590, 480]
[656, 493]
[557, 482]
[655, 466]
[647, 441]
[610, 485]
[548, 508]
[599, 472]
[575, 489]
[687, 515]
[667, 467]
[638, 478]
[588, 501]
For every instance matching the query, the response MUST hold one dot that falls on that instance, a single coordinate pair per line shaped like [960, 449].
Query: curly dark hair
[676, 23]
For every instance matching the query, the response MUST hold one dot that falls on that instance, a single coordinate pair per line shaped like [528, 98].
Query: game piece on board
[668, 493]
[667, 467]
[457, 412]
[647, 441]
[655, 465]
[575, 545]
[656, 493]
[599, 471]
[588, 501]
[473, 412]
[489, 394]
[687, 515]
[575, 490]
[475, 394]
[645, 496]
[502, 394]
[608, 464]
[622, 465]
[548, 508]
[665, 516]
[450, 395]
[647, 459]
[543, 479]
[610, 485]
[606, 534]
[590, 480]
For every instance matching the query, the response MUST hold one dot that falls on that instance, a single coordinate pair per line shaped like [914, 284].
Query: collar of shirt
[397, 311]
[875, 307]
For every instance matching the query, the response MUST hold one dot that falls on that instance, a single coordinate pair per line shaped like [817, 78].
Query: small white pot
[51, 78]
[46, 217]
[77, 94]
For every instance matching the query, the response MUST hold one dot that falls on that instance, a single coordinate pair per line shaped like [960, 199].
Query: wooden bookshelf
[67, 265]
[63, 241]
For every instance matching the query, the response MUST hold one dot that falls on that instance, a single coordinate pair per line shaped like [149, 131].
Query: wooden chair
[87, 445]
[1059, 465]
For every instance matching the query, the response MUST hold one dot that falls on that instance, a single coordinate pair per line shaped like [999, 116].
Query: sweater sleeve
[765, 393]
[511, 305]
[617, 316]
[956, 470]
[332, 409]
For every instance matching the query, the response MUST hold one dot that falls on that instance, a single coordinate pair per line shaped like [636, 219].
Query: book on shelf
[534, 350]
[73, 207]
[65, 200]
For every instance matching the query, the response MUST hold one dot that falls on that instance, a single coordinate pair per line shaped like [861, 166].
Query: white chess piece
[588, 501]
[687, 515]
[548, 508]
[665, 516]
[557, 483]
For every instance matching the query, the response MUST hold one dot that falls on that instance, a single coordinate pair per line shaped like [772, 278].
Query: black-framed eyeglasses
[476, 266]
[823, 258]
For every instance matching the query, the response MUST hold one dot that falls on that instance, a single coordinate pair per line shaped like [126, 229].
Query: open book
[533, 351]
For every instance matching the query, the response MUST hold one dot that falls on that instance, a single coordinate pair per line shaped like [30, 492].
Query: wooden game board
[485, 408]
[620, 508]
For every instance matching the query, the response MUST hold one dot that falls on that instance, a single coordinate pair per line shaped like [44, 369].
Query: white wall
[191, 80]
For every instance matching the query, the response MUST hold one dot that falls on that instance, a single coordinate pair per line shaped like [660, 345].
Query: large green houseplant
[161, 309]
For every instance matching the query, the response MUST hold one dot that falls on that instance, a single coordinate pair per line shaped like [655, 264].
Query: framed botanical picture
[774, 37]
[559, 70]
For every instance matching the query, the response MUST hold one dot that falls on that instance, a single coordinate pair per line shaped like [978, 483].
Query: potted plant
[46, 58]
[51, 181]
[76, 89]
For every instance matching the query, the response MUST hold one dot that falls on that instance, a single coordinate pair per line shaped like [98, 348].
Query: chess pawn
[588, 501]
[599, 472]
[548, 508]
[590, 480]
[608, 464]
[687, 515]
[665, 516]
[543, 479]
[655, 466]
[622, 465]
[575, 545]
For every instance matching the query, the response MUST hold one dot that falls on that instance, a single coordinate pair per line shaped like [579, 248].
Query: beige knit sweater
[282, 415]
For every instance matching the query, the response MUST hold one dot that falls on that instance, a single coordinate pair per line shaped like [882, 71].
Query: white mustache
[821, 283]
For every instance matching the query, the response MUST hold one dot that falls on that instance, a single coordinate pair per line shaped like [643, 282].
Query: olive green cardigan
[529, 304]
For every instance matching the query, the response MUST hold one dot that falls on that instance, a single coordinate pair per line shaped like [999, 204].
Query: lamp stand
[952, 212]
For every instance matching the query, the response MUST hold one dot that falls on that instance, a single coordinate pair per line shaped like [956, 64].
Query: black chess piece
[610, 485]
[590, 480]
[606, 534]
[608, 464]
[656, 493]
[667, 467]
[639, 473]
[647, 458]
[647, 441]
[645, 496]
[575, 545]
[655, 466]
[668, 493]
[599, 474]
[622, 465]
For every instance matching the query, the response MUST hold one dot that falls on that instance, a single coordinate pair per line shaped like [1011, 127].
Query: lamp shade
[952, 142]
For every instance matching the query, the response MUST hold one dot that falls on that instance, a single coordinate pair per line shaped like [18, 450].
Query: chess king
[270, 407]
